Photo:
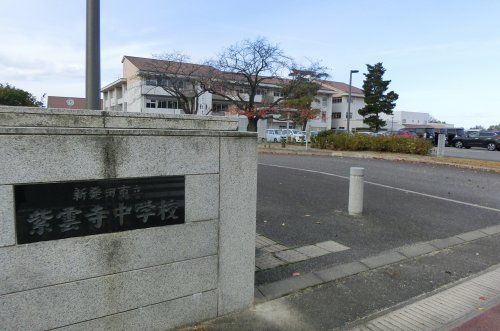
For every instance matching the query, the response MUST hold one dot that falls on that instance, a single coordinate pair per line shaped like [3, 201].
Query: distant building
[68, 102]
[134, 93]
[340, 104]
[401, 119]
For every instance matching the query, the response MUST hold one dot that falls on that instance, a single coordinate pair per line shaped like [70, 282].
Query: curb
[442, 309]
[446, 161]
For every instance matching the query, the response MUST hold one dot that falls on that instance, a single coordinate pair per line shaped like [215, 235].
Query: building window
[219, 107]
[162, 104]
[278, 94]
[261, 92]
[324, 102]
[180, 84]
[337, 115]
[172, 104]
[403, 121]
[337, 100]
[152, 80]
[166, 82]
[241, 90]
[350, 115]
[150, 103]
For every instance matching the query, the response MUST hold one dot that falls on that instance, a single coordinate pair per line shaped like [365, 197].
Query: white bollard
[440, 146]
[356, 188]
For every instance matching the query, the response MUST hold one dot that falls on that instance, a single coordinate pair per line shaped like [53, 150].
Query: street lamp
[349, 101]
[93, 57]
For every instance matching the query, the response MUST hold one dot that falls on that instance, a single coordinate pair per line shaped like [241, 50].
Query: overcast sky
[442, 56]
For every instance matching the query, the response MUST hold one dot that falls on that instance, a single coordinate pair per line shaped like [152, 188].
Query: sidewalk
[453, 279]
[460, 307]
[484, 165]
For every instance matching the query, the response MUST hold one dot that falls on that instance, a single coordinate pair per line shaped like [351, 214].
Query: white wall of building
[356, 119]
[401, 118]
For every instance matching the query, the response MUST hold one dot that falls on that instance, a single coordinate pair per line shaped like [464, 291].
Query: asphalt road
[297, 207]
[473, 153]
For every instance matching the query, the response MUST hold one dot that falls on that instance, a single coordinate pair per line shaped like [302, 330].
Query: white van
[273, 135]
[297, 135]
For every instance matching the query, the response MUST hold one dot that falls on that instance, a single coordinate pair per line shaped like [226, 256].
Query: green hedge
[360, 142]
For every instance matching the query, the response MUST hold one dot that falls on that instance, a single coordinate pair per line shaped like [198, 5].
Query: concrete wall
[154, 278]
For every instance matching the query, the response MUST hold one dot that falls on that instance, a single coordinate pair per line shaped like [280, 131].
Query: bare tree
[240, 71]
[180, 79]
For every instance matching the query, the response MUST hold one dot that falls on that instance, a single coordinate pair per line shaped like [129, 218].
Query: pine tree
[301, 91]
[377, 100]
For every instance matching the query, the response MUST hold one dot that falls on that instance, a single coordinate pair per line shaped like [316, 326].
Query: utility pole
[93, 56]
[349, 101]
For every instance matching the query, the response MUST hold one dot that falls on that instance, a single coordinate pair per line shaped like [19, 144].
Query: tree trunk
[304, 125]
[252, 124]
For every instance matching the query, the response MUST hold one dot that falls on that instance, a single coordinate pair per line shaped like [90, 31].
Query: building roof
[343, 87]
[67, 102]
[157, 65]
[118, 82]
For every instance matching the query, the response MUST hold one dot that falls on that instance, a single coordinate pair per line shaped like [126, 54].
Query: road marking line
[388, 187]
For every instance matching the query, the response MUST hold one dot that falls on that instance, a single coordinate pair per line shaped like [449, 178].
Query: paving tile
[274, 248]
[289, 285]
[446, 242]
[312, 251]
[341, 271]
[472, 235]
[332, 246]
[491, 230]
[291, 256]
[382, 259]
[261, 241]
[416, 250]
[258, 296]
[267, 262]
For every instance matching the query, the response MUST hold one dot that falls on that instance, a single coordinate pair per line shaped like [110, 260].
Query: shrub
[359, 142]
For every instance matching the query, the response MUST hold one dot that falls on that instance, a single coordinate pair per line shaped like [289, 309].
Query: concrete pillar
[440, 145]
[356, 188]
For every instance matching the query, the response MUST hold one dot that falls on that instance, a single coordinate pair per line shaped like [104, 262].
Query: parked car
[407, 132]
[450, 134]
[485, 139]
[420, 131]
[294, 134]
[312, 134]
[365, 133]
[472, 133]
[273, 135]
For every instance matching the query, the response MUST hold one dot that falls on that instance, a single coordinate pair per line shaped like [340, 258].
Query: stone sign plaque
[74, 209]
